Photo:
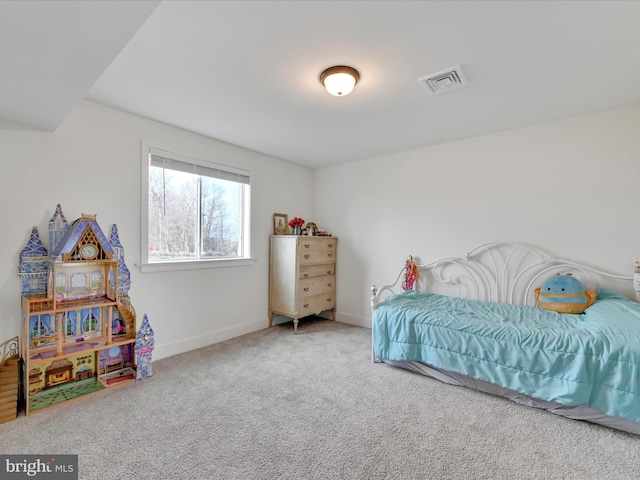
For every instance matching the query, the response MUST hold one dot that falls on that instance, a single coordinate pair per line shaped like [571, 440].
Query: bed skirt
[586, 414]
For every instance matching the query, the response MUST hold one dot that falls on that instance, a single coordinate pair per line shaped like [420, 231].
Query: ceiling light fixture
[339, 80]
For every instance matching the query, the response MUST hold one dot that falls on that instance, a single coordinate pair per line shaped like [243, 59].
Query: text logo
[51, 467]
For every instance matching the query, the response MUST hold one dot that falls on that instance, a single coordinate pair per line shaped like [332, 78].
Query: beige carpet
[274, 405]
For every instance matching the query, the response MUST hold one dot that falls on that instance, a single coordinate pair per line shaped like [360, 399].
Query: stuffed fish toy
[564, 294]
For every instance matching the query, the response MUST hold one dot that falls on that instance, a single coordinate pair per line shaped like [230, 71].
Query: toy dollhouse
[78, 322]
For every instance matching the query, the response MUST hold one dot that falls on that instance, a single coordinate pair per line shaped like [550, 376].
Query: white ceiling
[247, 72]
[52, 52]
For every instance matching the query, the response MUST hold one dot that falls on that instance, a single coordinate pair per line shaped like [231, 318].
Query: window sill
[194, 264]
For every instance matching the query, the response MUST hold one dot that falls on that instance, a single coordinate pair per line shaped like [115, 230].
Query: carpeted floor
[274, 405]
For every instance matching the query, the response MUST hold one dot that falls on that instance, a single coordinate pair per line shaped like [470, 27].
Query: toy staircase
[128, 314]
[9, 380]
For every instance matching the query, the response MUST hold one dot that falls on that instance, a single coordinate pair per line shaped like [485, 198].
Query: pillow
[564, 294]
[606, 294]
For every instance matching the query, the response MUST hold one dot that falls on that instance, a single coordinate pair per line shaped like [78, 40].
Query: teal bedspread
[591, 359]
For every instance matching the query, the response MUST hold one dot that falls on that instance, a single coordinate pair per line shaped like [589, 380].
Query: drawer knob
[329, 284]
[330, 245]
[306, 256]
[306, 275]
[306, 245]
[328, 272]
[306, 289]
[306, 305]
[330, 254]
[329, 299]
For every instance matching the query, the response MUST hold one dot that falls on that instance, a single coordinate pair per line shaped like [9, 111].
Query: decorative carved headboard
[503, 272]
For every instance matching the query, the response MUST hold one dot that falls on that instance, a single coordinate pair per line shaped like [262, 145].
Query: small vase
[297, 230]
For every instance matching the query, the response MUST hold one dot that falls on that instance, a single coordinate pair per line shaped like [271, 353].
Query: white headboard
[503, 272]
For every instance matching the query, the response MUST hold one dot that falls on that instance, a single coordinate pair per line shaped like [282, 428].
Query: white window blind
[197, 169]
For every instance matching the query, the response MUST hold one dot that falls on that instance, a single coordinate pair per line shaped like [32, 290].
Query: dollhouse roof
[145, 328]
[34, 247]
[77, 228]
[114, 240]
[57, 217]
[145, 335]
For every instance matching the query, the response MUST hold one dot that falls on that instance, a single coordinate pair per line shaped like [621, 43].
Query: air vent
[444, 80]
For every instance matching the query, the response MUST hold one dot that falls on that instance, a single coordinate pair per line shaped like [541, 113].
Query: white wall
[567, 187]
[91, 164]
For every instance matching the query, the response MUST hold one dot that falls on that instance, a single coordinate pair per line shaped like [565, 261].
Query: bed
[473, 320]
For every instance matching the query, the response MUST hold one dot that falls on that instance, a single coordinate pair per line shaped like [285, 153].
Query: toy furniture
[472, 320]
[78, 323]
[58, 373]
[113, 364]
[302, 279]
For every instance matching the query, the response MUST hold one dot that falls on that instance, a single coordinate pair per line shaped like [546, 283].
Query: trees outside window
[195, 211]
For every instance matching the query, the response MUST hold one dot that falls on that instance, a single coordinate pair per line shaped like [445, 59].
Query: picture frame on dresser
[280, 224]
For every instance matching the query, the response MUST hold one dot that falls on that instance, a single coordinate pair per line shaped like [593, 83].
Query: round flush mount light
[339, 80]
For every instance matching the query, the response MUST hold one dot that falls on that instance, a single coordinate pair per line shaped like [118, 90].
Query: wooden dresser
[302, 278]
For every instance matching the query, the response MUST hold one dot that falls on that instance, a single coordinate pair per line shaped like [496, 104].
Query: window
[69, 323]
[91, 322]
[197, 212]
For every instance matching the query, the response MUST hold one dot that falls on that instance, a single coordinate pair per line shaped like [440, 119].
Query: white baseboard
[192, 343]
[340, 317]
[353, 320]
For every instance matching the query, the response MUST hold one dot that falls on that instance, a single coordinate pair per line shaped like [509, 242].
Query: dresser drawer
[316, 250]
[316, 304]
[310, 271]
[317, 245]
[312, 257]
[314, 286]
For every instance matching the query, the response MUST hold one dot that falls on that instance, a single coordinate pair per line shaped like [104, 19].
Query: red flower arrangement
[296, 222]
